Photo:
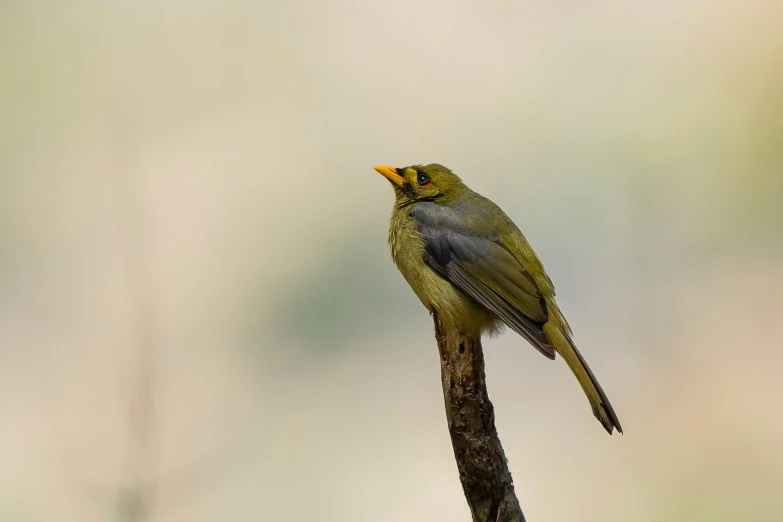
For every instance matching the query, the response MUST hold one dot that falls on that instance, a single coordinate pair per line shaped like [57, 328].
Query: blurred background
[199, 316]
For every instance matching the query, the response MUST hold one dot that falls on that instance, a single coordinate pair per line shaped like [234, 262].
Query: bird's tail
[602, 408]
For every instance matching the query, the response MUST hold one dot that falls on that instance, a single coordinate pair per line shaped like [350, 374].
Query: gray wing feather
[486, 270]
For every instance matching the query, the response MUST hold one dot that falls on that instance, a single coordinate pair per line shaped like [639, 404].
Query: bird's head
[431, 182]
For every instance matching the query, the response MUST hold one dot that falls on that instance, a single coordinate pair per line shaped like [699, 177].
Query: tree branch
[482, 465]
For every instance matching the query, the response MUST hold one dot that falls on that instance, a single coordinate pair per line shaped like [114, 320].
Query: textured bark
[482, 465]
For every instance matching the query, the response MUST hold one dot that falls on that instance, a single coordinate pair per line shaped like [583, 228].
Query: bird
[467, 261]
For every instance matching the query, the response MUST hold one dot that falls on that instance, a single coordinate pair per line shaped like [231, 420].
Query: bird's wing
[484, 268]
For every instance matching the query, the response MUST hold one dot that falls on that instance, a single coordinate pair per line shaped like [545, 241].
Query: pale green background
[639, 145]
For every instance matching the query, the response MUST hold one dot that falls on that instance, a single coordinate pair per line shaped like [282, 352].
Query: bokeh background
[199, 317]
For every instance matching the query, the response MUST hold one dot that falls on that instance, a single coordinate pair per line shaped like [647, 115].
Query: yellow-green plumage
[464, 258]
[433, 290]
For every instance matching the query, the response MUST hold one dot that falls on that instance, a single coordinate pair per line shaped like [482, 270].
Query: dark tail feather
[602, 408]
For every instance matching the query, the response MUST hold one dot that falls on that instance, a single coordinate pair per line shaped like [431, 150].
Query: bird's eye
[423, 179]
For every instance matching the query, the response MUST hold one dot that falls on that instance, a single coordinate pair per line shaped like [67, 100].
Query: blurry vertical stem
[134, 501]
[483, 470]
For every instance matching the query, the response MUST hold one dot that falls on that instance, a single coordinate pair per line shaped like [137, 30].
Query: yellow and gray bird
[466, 260]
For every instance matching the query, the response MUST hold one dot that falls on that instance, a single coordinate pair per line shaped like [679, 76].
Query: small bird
[466, 260]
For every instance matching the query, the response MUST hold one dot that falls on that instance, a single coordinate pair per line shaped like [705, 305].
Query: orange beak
[390, 173]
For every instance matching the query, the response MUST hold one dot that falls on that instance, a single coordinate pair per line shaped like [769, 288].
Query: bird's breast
[407, 250]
